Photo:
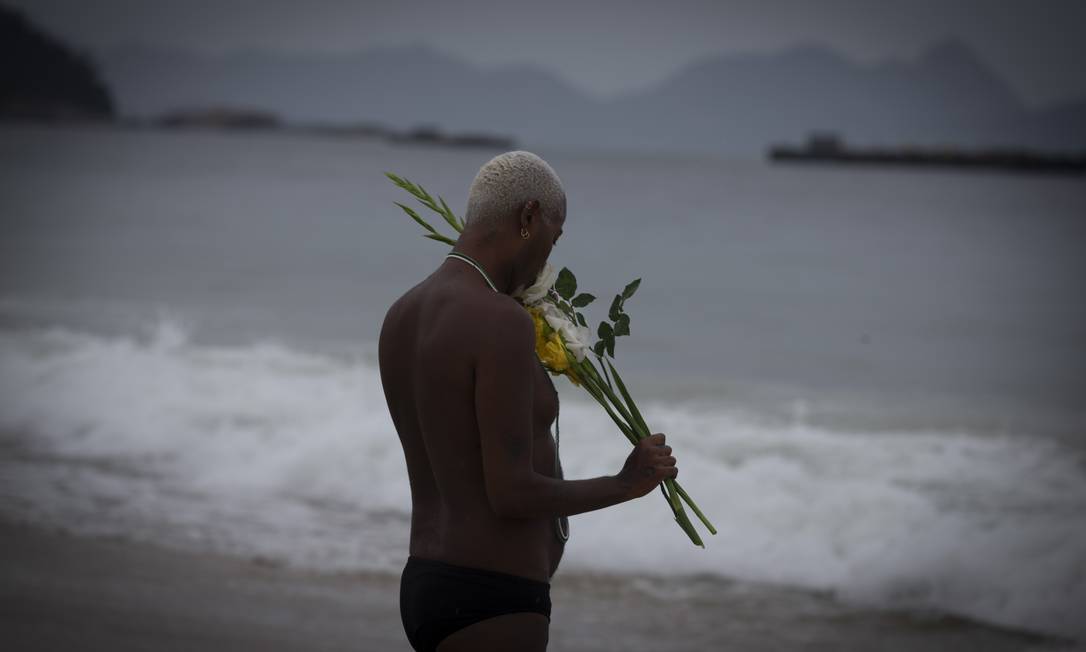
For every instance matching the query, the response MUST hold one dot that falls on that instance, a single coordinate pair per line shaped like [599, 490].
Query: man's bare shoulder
[393, 316]
[498, 320]
[488, 313]
[509, 313]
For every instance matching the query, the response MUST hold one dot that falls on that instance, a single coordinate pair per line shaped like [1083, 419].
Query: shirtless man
[473, 408]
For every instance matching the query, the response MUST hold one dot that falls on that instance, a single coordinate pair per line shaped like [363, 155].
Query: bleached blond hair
[506, 182]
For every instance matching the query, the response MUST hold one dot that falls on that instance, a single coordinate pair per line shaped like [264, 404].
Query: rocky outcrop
[43, 79]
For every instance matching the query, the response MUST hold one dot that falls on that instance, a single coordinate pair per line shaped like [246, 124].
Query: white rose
[554, 316]
[538, 290]
[574, 335]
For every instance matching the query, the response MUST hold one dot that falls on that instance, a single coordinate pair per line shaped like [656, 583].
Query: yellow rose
[553, 355]
[550, 348]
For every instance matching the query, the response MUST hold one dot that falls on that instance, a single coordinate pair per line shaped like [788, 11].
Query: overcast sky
[1038, 46]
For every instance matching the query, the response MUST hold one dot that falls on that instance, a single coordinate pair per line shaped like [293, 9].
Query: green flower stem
[688, 527]
[595, 374]
[680, 516]
[676, 504]
[591, 383]
[694, 507]
[643, 427]
[594, 384]
[629, 400]
[600, 358]
[594, 391]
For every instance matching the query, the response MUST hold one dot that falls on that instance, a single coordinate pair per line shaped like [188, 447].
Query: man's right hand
[649, 464]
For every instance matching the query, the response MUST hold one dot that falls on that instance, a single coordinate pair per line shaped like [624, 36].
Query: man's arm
[503, 405]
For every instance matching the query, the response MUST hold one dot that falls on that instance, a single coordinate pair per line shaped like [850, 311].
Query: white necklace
[471, 261]
[561, 523]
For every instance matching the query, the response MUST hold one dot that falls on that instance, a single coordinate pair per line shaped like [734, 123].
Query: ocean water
[873, 379]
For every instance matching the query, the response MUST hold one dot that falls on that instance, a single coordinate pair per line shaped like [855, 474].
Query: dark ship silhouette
[827, 147]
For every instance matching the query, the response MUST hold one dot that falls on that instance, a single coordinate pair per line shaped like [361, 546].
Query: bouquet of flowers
[562, 343]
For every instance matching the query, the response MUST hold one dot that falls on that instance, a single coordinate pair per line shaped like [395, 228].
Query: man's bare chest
[544, 400]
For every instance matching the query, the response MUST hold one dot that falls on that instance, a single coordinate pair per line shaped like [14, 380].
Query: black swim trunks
[437, 599]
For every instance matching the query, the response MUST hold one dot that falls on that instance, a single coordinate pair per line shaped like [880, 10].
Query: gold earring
[524, 233]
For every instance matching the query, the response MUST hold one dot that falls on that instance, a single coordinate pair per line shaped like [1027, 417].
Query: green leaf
[447, 213]
[598, 347]
[583, 299]
[616, 308]
[611, 346]
[581, 321]
[427, 200]
[566, 284]
[604, 331]
[631, 288]
[404, 183]
[423, 196]
[439, 238]
[415, 216]
[622, 325]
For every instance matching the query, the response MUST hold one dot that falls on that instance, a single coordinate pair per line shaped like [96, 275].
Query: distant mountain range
[726, 104]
